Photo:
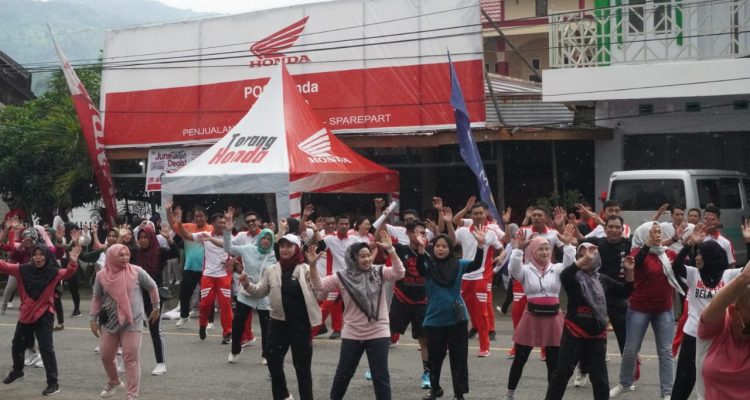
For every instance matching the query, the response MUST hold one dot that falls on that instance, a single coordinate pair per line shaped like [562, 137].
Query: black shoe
[472, 333]
[227, 339]
[202, 332]
[492, 336]
[434, 394]
[51, 389]
[335, 335]
[13, 376]
[323, 330]
[76, 313]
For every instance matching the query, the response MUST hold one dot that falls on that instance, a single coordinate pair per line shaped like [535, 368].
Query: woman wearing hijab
[294, 310]
[704, 280]
[366, 322]
[445, 321]
[585, 335]
[117, 317]
[256, 258]
[650, 303]
[541, 324]
[153, 258]
[36, 286]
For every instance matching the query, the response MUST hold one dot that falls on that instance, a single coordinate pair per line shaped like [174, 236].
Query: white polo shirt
[214, 257]
[468, 242]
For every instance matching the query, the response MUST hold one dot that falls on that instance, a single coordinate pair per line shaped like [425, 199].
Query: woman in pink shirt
[725, 324]
[366, 323]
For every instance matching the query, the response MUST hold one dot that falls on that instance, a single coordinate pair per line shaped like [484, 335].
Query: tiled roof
[494, 9]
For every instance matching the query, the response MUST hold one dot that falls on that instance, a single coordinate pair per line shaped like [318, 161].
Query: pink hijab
[531, 256]
[118, 282]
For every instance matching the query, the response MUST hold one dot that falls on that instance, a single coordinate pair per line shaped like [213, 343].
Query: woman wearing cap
[585, 335]
[294, 310]
[36, 285]
[117, 317]
[256, 258]
[541, 324]
[366, 322]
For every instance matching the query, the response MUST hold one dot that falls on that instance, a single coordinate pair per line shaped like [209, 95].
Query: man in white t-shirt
[476, 288]
[335, 246]
[216, 281]
[249, 236]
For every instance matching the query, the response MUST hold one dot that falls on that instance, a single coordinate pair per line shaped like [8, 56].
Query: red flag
[93, 133]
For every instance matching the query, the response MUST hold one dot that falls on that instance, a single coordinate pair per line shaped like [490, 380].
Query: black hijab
[36, 280]
[443, 271]
[714, 263]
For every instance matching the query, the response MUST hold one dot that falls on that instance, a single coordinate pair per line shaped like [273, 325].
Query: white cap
[292, 238]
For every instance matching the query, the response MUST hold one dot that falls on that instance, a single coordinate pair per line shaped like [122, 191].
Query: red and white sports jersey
[335, 252]
[366, 238]
[725, 244]
[548, 233]
[465, 238]
[467, 222]
[598, 232]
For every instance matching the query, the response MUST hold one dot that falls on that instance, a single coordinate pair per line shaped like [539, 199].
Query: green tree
[45, 167]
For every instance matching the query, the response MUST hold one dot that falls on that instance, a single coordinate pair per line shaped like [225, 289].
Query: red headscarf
[531, 256]
[118, 282]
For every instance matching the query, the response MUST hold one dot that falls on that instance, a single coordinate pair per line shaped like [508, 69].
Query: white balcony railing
[646, 31]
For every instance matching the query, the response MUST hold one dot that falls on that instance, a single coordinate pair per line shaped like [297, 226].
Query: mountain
[78, 26]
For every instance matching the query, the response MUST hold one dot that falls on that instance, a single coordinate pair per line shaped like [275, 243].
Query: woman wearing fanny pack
[542, 323]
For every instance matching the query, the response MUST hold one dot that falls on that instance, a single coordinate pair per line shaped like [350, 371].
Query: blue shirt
[441, 300]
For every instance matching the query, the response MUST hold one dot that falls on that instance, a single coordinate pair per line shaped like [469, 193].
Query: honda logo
[318, 147]
[270, 50]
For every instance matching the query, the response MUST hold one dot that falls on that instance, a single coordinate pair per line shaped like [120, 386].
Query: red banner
[93, 133]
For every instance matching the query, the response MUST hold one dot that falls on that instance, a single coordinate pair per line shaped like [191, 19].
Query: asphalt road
[199, 370]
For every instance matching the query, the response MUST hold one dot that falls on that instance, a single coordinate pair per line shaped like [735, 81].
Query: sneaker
[426, 380]
[13, 376]
[227, 339]
[110, 390]
[393, 345]
[322, 331]
[10, 305]
[233, 358]
[59, 327]
[248, 342]
[96, 349]
[51, 389]
[581, 379]
[76, 314]
[39, 364]
[192, 314]
[335, 335]
[32, 358]
[263, 361]
[368, 375]
[493, 336]
[543, 355]
[159, 369]
[434, 394]
[512, 353]
[202, 332]
[472, 333]
[120, 366]
[485, 353]
[667, 397]
[619, 389]
[290, 397]
[210, 326]
[181, 322]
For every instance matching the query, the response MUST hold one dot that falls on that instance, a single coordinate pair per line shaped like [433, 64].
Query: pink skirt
[539, 331]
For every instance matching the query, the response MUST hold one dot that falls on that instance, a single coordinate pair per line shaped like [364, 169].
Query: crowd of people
[375, 276]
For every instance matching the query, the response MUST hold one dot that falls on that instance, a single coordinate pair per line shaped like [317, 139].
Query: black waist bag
[543, 309]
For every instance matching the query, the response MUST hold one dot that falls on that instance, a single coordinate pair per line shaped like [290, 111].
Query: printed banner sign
[362, 66]
[162, 161]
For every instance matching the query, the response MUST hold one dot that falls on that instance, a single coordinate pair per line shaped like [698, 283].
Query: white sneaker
[210, 326]
[96, 349]
[39, 364]
[32, 358]
[619, 389]
[110, 390]
[250, 342]
[667, 397]
[193, 314]
[581, 379]
[159, 369]
[10, 305]
[263, 361]
[181, 322]
[290, 397]
[233, 358]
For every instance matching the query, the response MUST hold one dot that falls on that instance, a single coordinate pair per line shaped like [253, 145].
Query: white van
[642, 192]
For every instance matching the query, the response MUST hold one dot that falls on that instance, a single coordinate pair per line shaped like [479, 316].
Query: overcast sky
[232, 6]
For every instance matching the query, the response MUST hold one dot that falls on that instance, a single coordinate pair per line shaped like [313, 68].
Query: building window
[636, 15]
[541, 8]
[663, 15]
[534, 78]
[536, 63]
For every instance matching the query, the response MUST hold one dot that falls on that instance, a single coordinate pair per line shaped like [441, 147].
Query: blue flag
[468, 148]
